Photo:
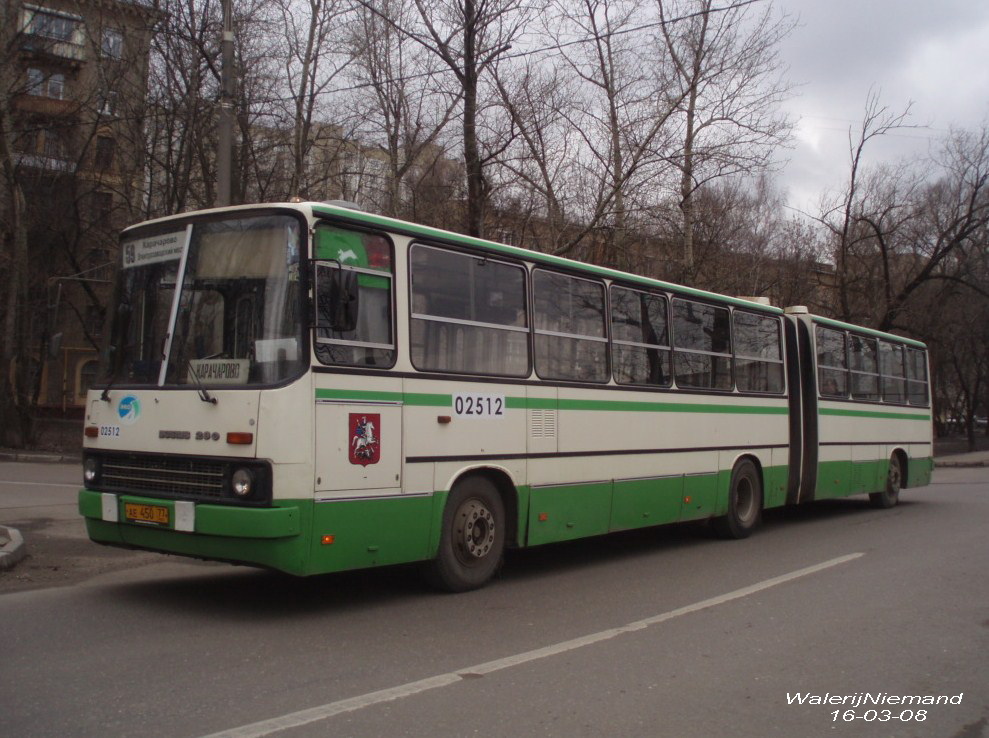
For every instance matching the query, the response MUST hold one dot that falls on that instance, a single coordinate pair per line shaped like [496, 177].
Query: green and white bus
[313, 389]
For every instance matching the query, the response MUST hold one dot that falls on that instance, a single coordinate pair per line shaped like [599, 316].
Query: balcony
[66, 51]
[45, 163]
[47, 106]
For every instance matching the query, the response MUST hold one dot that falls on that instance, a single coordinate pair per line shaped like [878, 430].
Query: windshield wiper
[204, 394]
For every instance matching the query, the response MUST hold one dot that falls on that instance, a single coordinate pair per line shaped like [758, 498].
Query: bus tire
[744, 503]
[890, 493]
[472, 539]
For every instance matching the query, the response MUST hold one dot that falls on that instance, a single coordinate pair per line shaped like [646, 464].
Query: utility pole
[224, 154]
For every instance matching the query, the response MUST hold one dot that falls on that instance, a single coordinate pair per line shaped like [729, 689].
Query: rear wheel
[472, 539]
[744, 503]
[890, 494]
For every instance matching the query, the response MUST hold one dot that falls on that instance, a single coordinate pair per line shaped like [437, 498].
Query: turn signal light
[327, 540]
[240, 439]
[92, 431]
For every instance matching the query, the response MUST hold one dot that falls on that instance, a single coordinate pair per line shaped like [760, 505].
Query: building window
[112, 44]
[49, 24]
[108, 102]
[87, 375]
[105, 149]
[101, 204]
[35, 81]
[40, 85]
[53, 145]
[56, 86]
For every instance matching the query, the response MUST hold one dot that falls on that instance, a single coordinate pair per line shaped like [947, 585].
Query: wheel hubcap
[894, 478]
[475, 533]
[744, 501]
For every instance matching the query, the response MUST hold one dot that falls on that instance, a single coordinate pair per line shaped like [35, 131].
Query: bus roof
[413, 229]
[868, 331]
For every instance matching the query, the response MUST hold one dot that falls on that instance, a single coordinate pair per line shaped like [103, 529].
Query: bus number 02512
[479, 406]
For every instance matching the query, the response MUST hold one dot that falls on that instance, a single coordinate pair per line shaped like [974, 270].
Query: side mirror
[337, 297]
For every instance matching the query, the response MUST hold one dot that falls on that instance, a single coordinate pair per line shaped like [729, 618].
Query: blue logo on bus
[129, 409]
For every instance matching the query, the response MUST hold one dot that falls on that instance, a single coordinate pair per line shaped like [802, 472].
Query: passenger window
[640, 346]
[758, 354]
[468, 314]
[701, 345]
[571, 342]
[864, 365]
[832, 362]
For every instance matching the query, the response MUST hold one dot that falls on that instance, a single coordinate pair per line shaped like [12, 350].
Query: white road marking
[322, 712]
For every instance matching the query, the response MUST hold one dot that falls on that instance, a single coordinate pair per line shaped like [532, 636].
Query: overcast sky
[935, 53]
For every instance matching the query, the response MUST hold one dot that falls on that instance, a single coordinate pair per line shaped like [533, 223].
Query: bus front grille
[156, 476]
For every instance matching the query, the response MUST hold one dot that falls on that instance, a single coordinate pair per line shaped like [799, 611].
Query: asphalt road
[658, 633]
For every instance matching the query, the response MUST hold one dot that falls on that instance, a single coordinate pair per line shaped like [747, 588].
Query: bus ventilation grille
[542, 424]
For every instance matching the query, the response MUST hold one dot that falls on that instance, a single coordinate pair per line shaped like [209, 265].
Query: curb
[36, 457]
[13, 550]
[960, 464]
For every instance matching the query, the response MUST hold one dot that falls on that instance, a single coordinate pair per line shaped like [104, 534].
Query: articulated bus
[310, 388]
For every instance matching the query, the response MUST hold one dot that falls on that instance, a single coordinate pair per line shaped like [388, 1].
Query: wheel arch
[730, 470]
[901, 455]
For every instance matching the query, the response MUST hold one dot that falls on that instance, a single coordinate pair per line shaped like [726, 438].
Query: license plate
[150, 514]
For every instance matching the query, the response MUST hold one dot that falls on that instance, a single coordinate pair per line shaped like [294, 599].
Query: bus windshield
[237, 317]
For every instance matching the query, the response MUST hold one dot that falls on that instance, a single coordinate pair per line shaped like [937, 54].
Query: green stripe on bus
[545, 403]
[871, 414]
[670, 407]
[362, 395]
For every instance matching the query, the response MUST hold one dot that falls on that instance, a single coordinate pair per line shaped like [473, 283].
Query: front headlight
[242, 482]
[91, 470]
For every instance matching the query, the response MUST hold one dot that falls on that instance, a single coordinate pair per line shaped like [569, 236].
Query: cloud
[933, 54]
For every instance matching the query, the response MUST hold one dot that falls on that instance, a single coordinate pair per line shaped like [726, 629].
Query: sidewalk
[973, 458]
[40, 457]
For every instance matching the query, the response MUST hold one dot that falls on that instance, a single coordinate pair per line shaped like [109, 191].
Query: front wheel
[744, 503]
[472, 539]
[890, 494]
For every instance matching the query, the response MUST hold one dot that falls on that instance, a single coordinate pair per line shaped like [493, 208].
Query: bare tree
[13, 231]
[842, 215]
[622, 115]
[313, 60]
[725, 64]
[469, 37]
[398, 97]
